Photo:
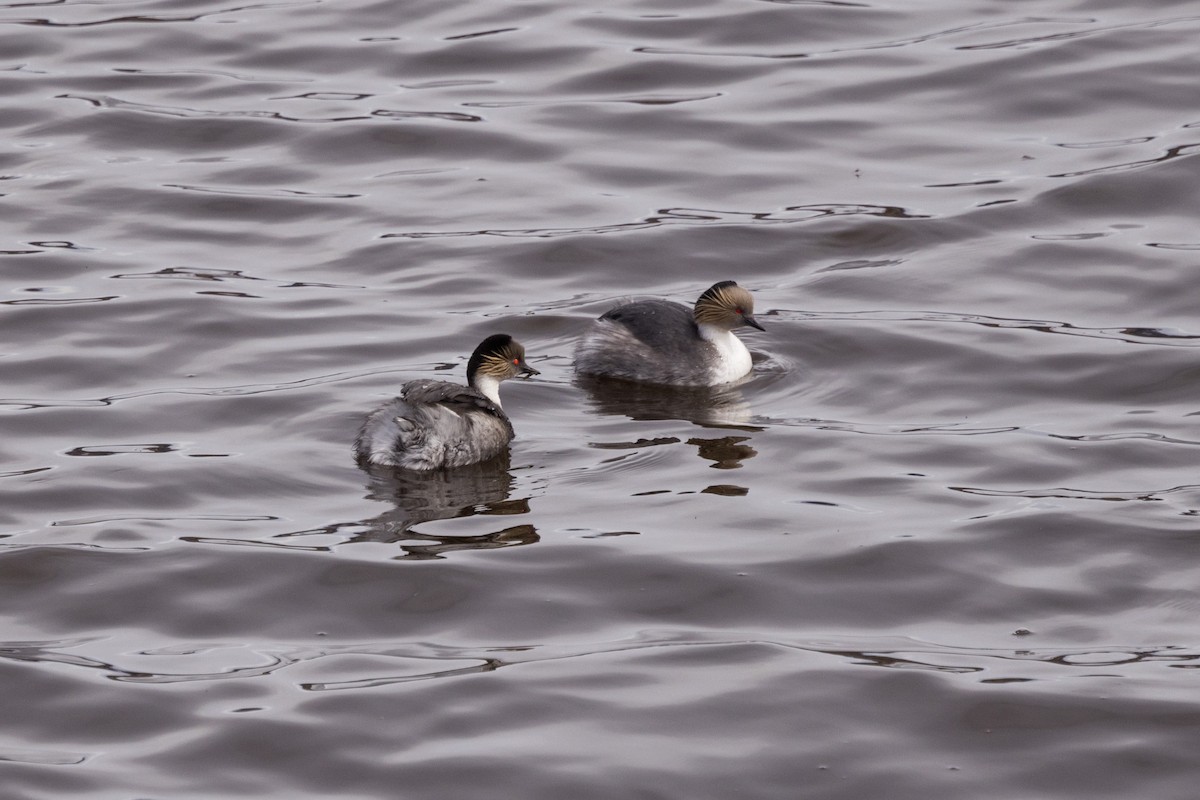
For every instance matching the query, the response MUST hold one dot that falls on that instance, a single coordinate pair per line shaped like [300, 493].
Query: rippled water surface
[944, 543]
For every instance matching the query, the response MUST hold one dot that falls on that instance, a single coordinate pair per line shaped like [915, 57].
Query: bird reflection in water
[727, 452]
[420, 497]
[718, 406]
[707, 406]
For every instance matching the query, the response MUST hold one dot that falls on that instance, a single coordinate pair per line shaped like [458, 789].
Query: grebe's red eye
[740, 311]
[517, 361]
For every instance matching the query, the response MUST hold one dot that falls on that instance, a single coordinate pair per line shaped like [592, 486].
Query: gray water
[942, 544]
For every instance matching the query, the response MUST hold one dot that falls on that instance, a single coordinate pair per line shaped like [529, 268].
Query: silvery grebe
[436, 424]
[658, 341]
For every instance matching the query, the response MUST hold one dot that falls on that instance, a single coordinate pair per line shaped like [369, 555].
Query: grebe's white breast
[731, 358]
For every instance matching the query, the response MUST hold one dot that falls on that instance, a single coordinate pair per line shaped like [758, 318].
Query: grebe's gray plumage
[658, 341]
[436, 424]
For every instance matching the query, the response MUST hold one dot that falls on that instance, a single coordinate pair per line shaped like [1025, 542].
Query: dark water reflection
[941, 543]
[709, 406]
[477, 489]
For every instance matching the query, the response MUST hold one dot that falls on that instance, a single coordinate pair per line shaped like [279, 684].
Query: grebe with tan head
[437, 424]
[659, 341]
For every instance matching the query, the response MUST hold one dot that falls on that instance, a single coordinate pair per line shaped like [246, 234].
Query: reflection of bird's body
[658, 341]
[434, 424]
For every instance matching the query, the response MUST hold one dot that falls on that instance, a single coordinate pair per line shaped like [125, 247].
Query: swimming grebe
[435, 424]
[658, 341]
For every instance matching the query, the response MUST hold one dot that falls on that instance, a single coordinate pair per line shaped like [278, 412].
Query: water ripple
[1163, 337]
[56, 758]
[894, 429]
[642, 99]
[239, 662]
[137, 18]
[1096, 30]
[687, 216]
[66, 301]
[108, 520]
[215, 275]
[1064, 493]
[216, 391]
[1171, 153]
[262, 192]
[939, 34]
[115, 103]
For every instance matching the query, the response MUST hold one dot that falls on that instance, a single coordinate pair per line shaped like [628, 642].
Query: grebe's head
[726, 305]
[498, 357]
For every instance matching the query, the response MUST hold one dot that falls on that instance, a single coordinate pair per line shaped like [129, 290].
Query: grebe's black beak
[752, 322]
[526, 370]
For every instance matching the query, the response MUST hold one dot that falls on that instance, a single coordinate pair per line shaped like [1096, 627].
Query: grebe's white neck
[733, 359]
[488, 386]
